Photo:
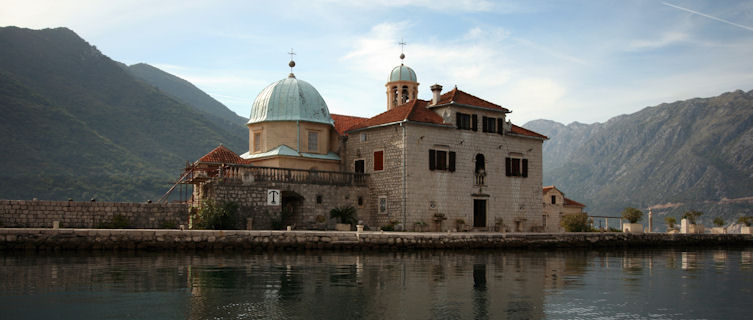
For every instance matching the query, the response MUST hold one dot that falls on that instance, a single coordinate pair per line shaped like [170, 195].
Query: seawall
[157, 239]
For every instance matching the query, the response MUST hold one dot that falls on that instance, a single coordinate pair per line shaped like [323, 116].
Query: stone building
[556, 205]
[454, 162]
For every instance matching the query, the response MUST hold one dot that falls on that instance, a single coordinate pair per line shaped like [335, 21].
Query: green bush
[671, 222]
[632, 215]
[390, 226]
[217, 215]
[692, 215]
[165, 224]
[344, 214]
[718, 221]
[576, 222]
[118, 221]
[747, 221]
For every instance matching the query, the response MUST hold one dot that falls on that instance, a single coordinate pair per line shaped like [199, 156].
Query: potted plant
[460, 224]
[438, 218]
[419, 226]
[688, 223]
[346, 216]
[718, 226]
[747, 222]
[632, 215]
[671, 222]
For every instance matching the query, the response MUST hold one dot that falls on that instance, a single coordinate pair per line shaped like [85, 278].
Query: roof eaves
[376, 126]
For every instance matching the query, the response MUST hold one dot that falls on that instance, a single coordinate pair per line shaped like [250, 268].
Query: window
[554, 199]
[363, 137]
[313, 141]
[379, 160]
[358, 166]
[467, 121]
[318, 199]
[382, 205]
[516, 167]
[257, 141]
[441, 160]
[489, 124]
[360, 201]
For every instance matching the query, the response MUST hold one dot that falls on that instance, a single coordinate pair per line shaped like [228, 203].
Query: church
[454, 162]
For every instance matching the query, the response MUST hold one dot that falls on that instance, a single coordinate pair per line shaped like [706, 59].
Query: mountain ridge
[691, 152]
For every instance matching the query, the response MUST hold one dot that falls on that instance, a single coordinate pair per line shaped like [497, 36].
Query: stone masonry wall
[252, 201]
[75, 214]
[105, 239]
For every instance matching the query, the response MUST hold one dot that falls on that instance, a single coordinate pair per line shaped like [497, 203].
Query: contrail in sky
[708, 16]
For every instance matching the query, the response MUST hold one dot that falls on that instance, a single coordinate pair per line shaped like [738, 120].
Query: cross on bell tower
[402, 86]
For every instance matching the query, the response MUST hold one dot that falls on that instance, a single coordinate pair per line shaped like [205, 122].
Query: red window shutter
[525, 168]
[432, 159]
[451, 166]
[474, 122]
[508, 167]
[378, 160]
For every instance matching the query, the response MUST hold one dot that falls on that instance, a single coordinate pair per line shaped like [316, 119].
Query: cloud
[666, 39]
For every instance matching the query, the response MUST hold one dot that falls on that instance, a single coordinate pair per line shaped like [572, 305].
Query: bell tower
[402, 86]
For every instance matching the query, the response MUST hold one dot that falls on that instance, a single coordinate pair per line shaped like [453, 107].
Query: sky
[584, 61]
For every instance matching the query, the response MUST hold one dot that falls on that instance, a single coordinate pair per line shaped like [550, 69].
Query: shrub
[118, 221]
[692, 215]
[671, 221]
[632, 215]
[220, 215]
[345, 214]
[390, 226]
[718, 221]
[165, 224]
[576, 222]
[747, 221]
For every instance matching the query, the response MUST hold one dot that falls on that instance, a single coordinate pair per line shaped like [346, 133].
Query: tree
[345, 214]
[747, 221]
[671, 221]
[692, 215]
[217, 215]
[576, 222]
[718, 221]
[632, 214]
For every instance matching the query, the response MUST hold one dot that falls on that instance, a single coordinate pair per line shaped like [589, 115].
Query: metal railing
[245, 173]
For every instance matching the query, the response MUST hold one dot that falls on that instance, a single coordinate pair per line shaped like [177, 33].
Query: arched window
[404, 97]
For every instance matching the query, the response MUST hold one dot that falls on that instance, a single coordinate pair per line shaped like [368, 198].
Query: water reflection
[417, 285]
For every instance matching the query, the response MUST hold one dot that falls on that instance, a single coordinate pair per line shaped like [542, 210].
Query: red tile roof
[547, 188]
[411, 111]
[343, 122]
[222, 154]
[525, 132]
[570, 202]
[462, 97]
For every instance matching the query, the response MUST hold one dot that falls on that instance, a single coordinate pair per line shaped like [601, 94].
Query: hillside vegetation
[76, 124]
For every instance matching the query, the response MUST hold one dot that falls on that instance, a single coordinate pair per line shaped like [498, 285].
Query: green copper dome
[403, 73]
[290, 99]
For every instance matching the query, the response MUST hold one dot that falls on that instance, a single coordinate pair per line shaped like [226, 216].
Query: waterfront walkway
[160, 239]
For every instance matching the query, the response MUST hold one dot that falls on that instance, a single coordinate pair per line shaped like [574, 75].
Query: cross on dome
[291, 64]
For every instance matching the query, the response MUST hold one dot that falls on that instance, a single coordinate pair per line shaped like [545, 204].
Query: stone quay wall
[145, 239]
[77, 214]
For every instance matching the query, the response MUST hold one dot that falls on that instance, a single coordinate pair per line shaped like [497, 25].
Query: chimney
[436, 90]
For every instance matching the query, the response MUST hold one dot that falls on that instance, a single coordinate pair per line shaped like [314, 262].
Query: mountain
[674, 157]
[187, 93]
[76, 124]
